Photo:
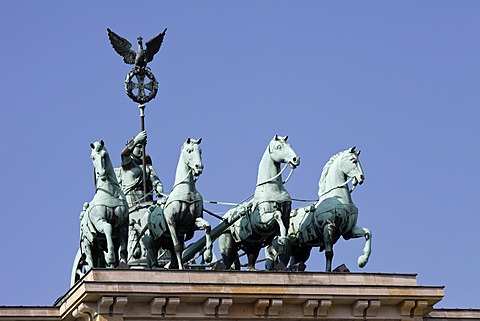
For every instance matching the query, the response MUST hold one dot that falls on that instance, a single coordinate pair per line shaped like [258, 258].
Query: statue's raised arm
[130, 174]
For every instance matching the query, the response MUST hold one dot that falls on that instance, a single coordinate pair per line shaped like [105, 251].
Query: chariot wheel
[77, 268]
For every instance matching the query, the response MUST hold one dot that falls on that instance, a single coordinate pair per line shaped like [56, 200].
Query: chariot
[114, 233]
[157, 230]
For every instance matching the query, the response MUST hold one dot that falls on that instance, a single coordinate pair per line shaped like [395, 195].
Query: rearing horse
[106, 215]
[333, 215]
[268, 214]
[183, 210]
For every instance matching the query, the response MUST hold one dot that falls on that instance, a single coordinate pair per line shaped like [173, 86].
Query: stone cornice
[214, 295]
[454, 314]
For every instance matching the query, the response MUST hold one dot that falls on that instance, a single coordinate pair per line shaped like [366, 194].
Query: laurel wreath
[153, 85]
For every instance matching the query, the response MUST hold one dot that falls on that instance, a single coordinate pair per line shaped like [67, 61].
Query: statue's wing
[153, 45]
[122, 46]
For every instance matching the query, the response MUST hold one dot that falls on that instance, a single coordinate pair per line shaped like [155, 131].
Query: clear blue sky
[398, 79]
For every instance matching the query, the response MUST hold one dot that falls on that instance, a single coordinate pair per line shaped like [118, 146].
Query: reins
[251, 195]
[324, 193]
[276, 176]
[335, 187]
[185, 179]
[338, 186]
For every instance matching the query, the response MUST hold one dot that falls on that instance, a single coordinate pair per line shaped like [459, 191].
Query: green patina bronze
[130, 177]
[139, 197]
[104, 220]
[124, 225]
[268, 214]
[145, 90]
[333, 216]
[175, 221]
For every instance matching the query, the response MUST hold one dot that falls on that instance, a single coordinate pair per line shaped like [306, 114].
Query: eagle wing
[122, 46]
[153, 45]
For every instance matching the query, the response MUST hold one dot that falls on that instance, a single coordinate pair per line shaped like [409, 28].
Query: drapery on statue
[130, 178]
[140, 57]
[130, 174]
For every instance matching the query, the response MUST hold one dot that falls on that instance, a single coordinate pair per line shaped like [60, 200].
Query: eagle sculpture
[140, 57]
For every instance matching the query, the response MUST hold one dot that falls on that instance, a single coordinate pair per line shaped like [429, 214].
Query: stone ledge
[229, 295]
[453, 314]
[30, 313]
[246, 277]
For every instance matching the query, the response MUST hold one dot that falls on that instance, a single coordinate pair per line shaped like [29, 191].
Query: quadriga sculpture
[332, 216]
[104, 221]
[267, 215]
[172, 224]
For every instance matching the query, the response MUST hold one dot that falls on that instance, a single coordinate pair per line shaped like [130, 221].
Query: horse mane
[110, 169]
[323, 177]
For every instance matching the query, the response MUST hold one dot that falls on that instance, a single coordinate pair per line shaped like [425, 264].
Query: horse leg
[177, 245]
[271, 256]
[300, 255]
[277, 255]
[328, 231]
[252, 250]
[134, 245]
[87, 251]
[357, 232]
[152, 261]
[267, 216]
[283, 243]
[86, 246]
[284, 253]
[123, 243]
[202, 224]
[121, 213]
[98, 215]
[173, 265]
[283, 230]
[105, 228]
[228, 249]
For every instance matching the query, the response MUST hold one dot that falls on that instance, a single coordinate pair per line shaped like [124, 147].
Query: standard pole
[142, 124]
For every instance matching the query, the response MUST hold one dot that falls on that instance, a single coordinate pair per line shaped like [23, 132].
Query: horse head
[98, 158]
[192, 155]
[351, 166]
[281, 151]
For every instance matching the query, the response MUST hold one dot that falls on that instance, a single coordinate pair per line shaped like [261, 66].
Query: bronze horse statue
[104, 221]
[267, 215]
[333, 216]
[173, 223]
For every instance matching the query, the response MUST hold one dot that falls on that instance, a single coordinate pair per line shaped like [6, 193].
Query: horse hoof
[219, 266]
[109, 260]
[362, 261]
[208, 256]
[280, 266]
[137, 254]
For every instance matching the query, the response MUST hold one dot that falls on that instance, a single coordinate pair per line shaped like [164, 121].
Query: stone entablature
[230, 295]
[453, 315]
